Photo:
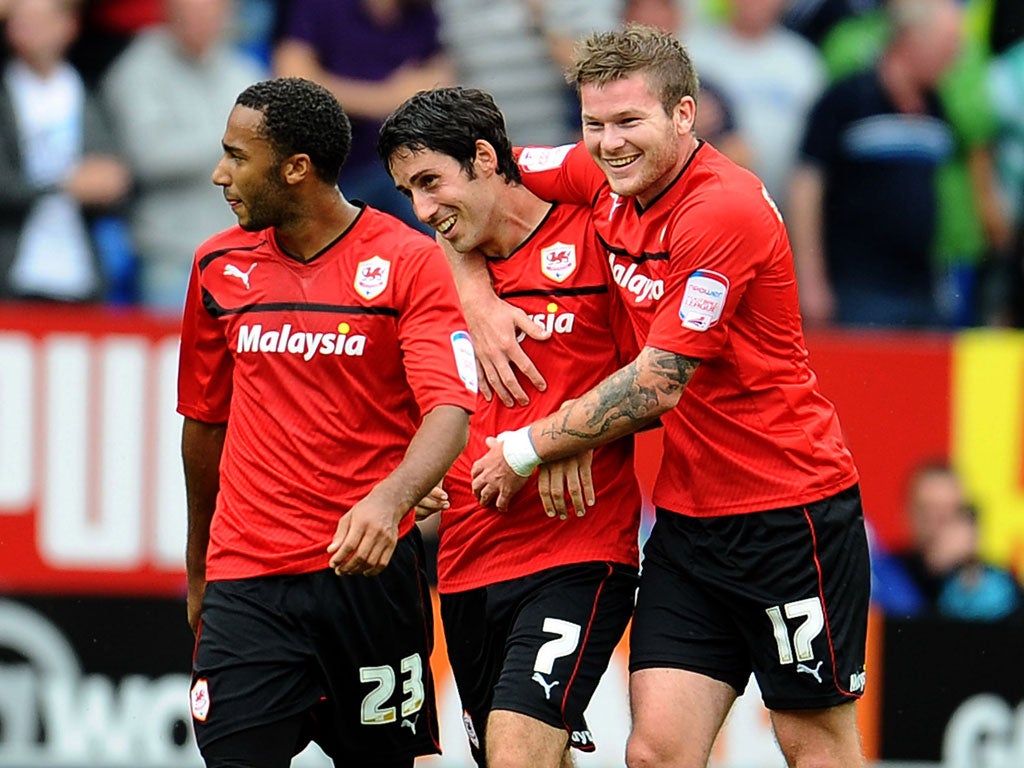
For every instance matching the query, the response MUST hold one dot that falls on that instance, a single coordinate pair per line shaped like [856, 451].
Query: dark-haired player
[532, 608]
[325, 378]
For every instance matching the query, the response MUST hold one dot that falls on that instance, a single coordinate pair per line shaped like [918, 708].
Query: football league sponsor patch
[703, 300]
[465, 360]
[543, 158]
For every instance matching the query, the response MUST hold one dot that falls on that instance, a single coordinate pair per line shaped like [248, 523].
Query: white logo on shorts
[470, 730]
[809, 671]
[581, 737]
[539, 679]
[410, 724]
[857, 681]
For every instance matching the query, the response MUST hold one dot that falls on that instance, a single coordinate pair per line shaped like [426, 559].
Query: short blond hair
[604, 57]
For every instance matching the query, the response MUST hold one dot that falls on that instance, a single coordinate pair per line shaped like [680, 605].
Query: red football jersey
[571, 294]
[322, 370]
[706, 271]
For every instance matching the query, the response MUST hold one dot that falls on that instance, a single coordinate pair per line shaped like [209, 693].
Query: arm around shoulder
[494, 326]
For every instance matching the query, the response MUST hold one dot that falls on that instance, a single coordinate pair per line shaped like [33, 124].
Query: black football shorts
[783, 594]
[537, 645]
[351, 654]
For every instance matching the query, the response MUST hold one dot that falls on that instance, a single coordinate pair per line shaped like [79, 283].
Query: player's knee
[642, 752]
[826, 738]
[649, 750]
[833, 756]
[518, 741]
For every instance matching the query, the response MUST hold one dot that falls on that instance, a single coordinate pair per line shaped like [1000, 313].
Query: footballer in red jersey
[532, 607]
[325, 378]
[758, 558]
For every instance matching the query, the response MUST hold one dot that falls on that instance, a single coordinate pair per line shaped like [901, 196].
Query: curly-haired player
[325, 379]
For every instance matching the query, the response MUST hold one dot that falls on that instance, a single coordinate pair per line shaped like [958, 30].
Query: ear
[684, 114]
[296, 169]
[486, 160]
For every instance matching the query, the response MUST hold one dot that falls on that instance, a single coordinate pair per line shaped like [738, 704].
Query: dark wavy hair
[449, 121]
[301, 117]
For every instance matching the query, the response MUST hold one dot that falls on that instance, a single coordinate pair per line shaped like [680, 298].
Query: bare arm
[366, 536]
[201, 448]
[804, 216]
[494, 325]
[998, 230]
[629, 399]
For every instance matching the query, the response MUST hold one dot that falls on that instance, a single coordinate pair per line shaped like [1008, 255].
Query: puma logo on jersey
[641, 286]
[807, 670]
[410, 724]
[552, 321]
[286, 341]
[539, 679]
[232, 271]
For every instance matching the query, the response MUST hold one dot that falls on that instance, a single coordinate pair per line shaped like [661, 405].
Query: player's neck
[520, 213]
[316, 225]
[687, 147]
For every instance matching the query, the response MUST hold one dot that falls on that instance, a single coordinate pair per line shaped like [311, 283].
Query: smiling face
[444, 197]
[639, 146]
[250, 173]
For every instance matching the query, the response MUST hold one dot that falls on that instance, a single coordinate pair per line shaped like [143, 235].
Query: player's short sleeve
[565, 174]
[205, 364]
[437, 351]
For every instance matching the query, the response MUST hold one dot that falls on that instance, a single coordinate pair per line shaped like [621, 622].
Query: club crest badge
[200, 697]
[372, 277]
[558, 261]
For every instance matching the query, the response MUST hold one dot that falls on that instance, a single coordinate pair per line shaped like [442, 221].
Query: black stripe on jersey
[217, 310]
[583, 290]
[644, 256]
[203, 262]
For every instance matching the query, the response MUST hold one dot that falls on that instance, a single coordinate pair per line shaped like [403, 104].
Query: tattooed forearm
[676, 370]
[627, 400]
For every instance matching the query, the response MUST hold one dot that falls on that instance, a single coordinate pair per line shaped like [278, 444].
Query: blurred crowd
[890, 133]
[940, 571]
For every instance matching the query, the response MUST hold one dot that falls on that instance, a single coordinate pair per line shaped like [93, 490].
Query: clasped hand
[494, 482]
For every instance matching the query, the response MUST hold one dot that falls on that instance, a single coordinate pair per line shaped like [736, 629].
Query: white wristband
[517, 448]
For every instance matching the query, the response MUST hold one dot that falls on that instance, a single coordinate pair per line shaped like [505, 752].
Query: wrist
[520, 455]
